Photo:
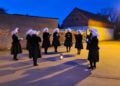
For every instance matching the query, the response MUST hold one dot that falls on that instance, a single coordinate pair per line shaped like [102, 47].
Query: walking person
[68, 40]
[29, 40]
[56, 37]
[16, 46]
[93, 55]
[35, 47]
[78, 42]
[46, 40]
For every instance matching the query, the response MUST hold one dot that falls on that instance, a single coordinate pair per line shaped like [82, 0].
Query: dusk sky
[55, 8]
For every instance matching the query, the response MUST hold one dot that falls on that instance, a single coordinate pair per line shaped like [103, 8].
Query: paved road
[70, 71]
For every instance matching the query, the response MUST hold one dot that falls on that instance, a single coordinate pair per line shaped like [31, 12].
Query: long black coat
[16, 47]
[35, 47]
[93, 50]
[46, 40]
[68, 39]
[78, 41]
[56, 37]
[29, 40]
[89, 37]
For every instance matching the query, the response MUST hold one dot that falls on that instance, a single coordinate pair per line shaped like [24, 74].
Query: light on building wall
[103, 32]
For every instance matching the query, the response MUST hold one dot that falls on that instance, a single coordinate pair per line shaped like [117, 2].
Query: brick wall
[9, 22]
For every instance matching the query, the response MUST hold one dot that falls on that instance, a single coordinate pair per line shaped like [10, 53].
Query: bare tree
[113, 16]
[109, 13]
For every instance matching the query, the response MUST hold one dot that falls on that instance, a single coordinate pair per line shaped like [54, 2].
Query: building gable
[80, 17]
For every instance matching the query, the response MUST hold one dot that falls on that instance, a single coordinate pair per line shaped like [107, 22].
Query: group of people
[92, 45]
[33, 43]
[34, 49]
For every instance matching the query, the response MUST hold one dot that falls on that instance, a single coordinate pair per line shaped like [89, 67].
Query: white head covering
[45, 29]
[79, 31]
[94, 32]
[34, 32]
[68, 30]
[56, 30]
[15, 31]
[29, 31]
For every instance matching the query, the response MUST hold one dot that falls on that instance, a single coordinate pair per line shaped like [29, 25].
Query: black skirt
[16, 48]
[93, 55]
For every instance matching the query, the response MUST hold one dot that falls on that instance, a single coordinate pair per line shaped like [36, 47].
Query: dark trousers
[34, 61]
[78, 51]
[93, 64]
[15, 57]
[30, 56]
[55, 47]
[68, 48]
[45, 50]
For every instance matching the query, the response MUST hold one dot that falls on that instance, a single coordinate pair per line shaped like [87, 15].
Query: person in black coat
[78, 41]
[68, 40]
[29, 39]
[46, 40]
[88, 40]
[35, 47]
[16, 46]
[93, 55]
[56, 37]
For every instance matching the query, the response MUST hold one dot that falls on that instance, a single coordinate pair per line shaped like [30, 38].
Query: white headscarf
[94, 32]
[15, 31]
[35, 32]
[68, 30]
[29, 31]
[79, 31]
[46, 29]
[56, 30]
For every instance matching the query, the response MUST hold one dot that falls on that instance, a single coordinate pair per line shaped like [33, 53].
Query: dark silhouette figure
[46, 41]
[56, 41]
[93, 55]
[28, 44]
[78, 42]
[16, 46]
[35, 48]
[68, 41]
[89, 37]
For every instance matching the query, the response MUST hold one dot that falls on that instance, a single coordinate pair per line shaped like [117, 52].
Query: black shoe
[90, 67]
[35, 64]
[45, 52]
[94, 67]
[40, 57]
[15, 59]
[30, 57]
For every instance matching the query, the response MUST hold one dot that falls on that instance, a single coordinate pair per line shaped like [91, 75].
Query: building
[8, 22]
[83, 20]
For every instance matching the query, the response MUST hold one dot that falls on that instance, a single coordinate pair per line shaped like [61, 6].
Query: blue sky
[54, 8]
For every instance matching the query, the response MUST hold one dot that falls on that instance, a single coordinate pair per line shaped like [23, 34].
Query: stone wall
[9, 22]
[5, 40]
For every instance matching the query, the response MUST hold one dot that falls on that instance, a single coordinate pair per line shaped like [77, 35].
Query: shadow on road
[66, 74]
